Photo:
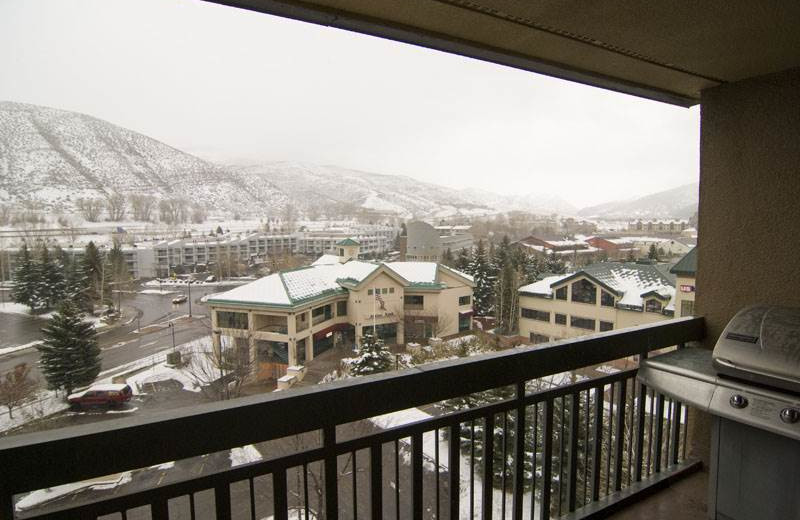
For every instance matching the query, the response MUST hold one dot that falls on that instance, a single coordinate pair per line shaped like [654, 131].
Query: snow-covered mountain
[680, 202]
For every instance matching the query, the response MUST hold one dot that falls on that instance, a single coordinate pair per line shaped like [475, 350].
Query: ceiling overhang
[666, 51]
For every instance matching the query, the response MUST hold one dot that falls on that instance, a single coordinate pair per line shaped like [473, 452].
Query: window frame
[535, 314]
[573, 320]
[577, 294]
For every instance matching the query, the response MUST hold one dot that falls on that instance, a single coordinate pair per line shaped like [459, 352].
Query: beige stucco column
[749, 213]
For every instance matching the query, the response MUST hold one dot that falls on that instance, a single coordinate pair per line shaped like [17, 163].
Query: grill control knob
[790, 415]
[738, 401]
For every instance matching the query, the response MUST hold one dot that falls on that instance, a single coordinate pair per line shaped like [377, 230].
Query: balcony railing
[573, 450]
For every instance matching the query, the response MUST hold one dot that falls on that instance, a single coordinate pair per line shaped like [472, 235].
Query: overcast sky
[235, 86]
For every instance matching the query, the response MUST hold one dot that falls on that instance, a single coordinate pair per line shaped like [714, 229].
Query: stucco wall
[749, 220]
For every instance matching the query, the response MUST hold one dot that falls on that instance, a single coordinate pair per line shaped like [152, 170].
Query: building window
[606, 299]
[369, 292]
[232, 320]
[321, 314]
[384, 290]
[533, 314]
[341, 308]
[606, 325]
[464, 322]
[464, 300]
[561, 319]
[391, 290]
[341, 251]
[538, 338]
[581, 323]
[561, 293]
[413, 302]
[584, 291]
[687, 308]
[652, 306]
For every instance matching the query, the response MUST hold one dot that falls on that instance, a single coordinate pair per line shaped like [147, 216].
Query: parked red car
[101, 395]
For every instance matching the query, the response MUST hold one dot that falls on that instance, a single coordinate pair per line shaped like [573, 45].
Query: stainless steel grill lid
[761, 344]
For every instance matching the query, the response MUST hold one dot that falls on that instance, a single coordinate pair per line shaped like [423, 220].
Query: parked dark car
[179, 299]
[101, 395]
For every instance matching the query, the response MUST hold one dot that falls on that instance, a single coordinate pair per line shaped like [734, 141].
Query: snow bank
[45, 403]
[49, 494]
[244, 455]
[9, 350]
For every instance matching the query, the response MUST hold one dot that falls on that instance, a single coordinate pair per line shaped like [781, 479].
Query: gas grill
[750, 384]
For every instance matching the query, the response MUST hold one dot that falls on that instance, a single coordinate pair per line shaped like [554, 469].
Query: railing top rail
[28, 460]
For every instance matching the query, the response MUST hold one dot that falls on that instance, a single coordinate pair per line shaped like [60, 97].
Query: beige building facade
[287, 319]
[598, 298]
[685, 289]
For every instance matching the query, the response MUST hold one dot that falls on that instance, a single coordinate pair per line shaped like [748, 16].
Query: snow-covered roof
[297, 286]
[326, 260]
[631, 282]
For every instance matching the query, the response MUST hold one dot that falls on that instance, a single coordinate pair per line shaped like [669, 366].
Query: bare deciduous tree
[116, 205]
[15, 387]
[221, 372]
[142, 207]
[5, 214]
[198, 214]
[90, 208]
[173, 211]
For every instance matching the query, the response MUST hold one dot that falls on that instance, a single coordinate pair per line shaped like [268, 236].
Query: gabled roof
[299, 286]
[631, 283]
[686, 266]
[348, 242]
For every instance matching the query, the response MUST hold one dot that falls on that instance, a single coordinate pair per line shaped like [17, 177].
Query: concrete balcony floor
[686, 499]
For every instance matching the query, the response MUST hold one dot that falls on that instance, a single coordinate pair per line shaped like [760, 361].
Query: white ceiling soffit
[666, 51]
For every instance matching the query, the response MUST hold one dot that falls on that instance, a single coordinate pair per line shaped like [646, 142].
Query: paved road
[120, 344]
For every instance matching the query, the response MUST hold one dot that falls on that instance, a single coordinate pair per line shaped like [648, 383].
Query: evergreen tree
[447, 258]
[373, 357]
[652, 253]
[94, 266]
[480, 270]
[69, 354]
[76, 284]
[219, 230]
[462, 261]
[507, 298]
[50, 279]
[24, 281]
[117, 268]
[502, 253]
[553, 264]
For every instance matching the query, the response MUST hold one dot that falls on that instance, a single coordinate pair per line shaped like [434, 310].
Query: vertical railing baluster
[547, 459]
[416, 476]
[159, 510]
[572, 479]
[619, 445]
[331, 473]
[488, 467]
[630, 431]
[454, 470]
[676, 432]
[685, 429]
[505, 458]
[376, 480]
[355, 485]
[192, 514]
[222, 501]
[597, 450]
[519, 454]
[610, 436]
[659, 418]
[651, 428]
[534, 462]
[252, 490]
[436, 460]
[124, 514]
[472, 469]
[561, 448]
[587, 418]
[279, 499]
[306, 500]
[640, 424]
[6, 503]
[397, 479]
[664, 454]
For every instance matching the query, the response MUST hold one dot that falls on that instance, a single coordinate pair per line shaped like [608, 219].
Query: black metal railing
[518, 433]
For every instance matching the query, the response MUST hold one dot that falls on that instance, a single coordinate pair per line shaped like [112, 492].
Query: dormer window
[584, 291]
[653, 305]
[606, 299]
[561, 293]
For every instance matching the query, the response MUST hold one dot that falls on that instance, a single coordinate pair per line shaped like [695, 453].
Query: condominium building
[597, 298]
[575, 250]
[427, 243]
[289, 317]
[685, 272]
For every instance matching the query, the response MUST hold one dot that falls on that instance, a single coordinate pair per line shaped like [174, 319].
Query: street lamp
[172, 328]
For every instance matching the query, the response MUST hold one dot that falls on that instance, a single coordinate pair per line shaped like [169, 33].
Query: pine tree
[447, 258]
[93, 268]
[69, 354]
[507, 299]
[76, 284]
[553, 264]
[373, 357]
[462, 260]
[50, 280]
[24, 281]
[480, 270]
[652, 254]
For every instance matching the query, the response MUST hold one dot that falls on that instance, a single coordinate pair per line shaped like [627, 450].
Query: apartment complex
[669, 226]
[597, 298]
[568, 249]
[426, 243]
[685, 272]
[287, 318]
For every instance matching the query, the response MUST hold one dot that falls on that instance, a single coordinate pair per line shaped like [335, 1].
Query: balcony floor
[686, 499]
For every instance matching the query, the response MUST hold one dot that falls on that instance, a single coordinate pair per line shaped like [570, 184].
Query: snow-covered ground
[244, 455]
[49, 494]
[9, 350]
[18, 308]
[43, 404]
